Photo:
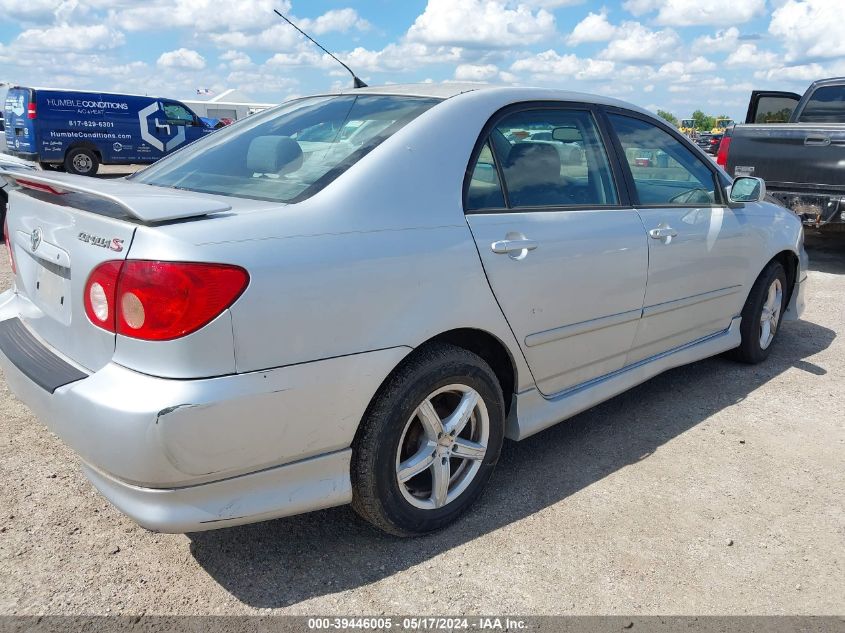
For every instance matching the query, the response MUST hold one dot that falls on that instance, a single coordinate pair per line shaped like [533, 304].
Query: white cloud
[692, 12]
[183, 58]
[475, 72]
[26, 11]
[550, 66]
[723, 41]
[593, 28]
[749, 56]
[340, 20]
[488, 23]
[808, 28]
[70, 38]
[636, 43]
[200, 15]
[236, 59]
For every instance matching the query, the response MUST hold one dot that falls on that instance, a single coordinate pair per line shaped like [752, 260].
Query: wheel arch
[790, 261]
[489, 347]
[85, 145]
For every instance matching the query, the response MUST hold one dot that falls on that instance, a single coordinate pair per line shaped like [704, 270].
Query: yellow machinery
[687, 127]
[722, 125]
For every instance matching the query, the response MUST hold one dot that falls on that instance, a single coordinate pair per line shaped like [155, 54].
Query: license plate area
[51, 292]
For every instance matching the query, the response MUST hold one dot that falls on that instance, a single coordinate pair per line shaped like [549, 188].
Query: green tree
[668, 116]
[703, 122]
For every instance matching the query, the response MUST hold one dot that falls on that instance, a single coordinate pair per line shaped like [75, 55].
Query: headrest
[529, 163]
[273, 155]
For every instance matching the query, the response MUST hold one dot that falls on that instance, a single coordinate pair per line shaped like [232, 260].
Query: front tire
[81, 161]
[428, 442]
[761, 315]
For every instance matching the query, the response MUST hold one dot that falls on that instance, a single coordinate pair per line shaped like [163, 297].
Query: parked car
[802, 160]
[245, 331]
[10, 163]
[78, 131]
[713, 143]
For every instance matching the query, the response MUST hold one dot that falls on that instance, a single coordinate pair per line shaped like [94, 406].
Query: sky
[676, 55]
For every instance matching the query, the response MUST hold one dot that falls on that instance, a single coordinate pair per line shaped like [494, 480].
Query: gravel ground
[712, 489]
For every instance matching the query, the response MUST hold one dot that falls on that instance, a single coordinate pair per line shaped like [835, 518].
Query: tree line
[703, 122]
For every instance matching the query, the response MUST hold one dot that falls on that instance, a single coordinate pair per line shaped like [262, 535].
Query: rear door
[19, 122]
[565, 257]
[698, 246]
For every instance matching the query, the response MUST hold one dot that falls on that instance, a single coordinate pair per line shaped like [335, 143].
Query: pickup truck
[797, 145]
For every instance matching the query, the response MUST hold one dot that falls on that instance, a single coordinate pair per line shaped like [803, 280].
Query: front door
[698, 260]
[567, 262]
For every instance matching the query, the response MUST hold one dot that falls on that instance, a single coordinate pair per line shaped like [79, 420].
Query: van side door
[184, 121]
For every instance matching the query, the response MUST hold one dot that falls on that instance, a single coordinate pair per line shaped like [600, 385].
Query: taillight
[160, 301]
[8, 241]
[30, 110]
[100, 293]
[724, 148]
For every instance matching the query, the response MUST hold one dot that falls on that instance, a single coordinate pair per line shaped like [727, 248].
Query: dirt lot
[712, 489]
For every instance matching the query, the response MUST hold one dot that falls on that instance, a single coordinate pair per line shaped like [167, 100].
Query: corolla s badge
[35, 239]
[114, 244]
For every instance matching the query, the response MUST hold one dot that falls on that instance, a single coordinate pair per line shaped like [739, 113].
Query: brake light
[8, 241]
[160, 301]
[724, 148]
[39, 186]
[99, 295]
[30, 110]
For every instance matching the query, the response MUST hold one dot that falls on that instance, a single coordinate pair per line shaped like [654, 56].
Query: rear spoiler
[146, 203]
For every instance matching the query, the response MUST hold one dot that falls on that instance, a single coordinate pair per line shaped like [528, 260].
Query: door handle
[662, 233]
[822, 141]
[513, 246]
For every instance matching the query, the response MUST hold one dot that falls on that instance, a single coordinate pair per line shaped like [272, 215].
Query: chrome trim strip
[677, 304]
[558, 333]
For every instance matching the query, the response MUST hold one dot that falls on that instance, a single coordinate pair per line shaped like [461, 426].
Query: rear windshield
[289, 153]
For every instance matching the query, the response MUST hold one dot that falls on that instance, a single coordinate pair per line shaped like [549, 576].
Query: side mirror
[748, 189]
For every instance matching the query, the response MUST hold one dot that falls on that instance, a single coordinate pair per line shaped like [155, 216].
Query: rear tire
[81, 161]
[406, 479]
[762, 315]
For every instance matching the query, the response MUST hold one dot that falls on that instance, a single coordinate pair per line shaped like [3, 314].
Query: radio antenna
[356, 82]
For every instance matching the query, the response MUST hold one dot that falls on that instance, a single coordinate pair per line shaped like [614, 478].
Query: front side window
[177, 114]
[548, 158]
[288, 153]
[665, 171]
[827, 105]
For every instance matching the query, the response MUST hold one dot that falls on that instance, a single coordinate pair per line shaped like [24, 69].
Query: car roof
[448, 90]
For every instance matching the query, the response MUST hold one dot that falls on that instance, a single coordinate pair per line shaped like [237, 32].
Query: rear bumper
[184, 455]
[814, 209]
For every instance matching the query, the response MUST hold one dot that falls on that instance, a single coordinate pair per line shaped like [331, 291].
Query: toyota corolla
[355, 297]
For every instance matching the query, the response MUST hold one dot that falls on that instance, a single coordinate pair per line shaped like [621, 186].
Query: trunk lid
[61, 228]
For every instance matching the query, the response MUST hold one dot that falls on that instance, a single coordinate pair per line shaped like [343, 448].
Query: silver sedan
[355, 297]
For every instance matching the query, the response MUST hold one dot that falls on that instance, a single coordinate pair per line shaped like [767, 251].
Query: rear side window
[485, 190]
[665, 171]
[288, 153]
[774, 109]
[548, 158]
[827, 105]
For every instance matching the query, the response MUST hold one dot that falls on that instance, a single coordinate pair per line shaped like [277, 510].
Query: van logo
[35, 239]
[114, 244]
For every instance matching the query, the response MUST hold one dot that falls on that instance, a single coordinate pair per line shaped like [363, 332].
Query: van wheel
[81, 161]
[761, 316]
[428, 442]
